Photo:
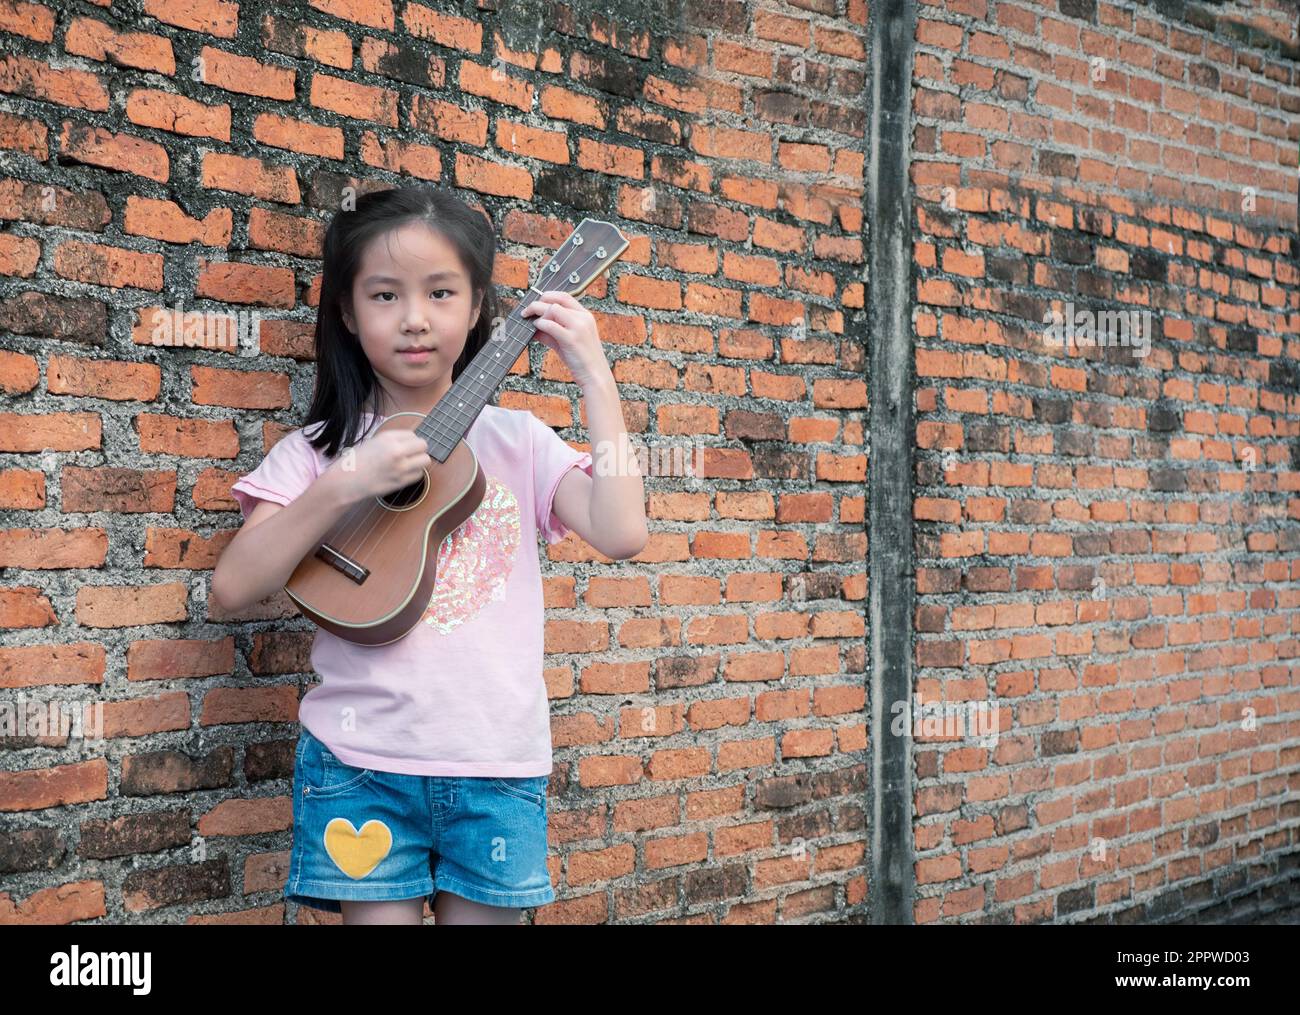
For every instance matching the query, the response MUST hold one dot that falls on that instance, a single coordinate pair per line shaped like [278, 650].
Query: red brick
[53, 431]
[211, 17]
[298, 135]
[175, 113]
[68, 375]
[96, 40]
[112, 488]
[164, 220]
[132, 606]
[358, 101]
[18, 372]
[236, 282]
[33, 79]
[20, 134]
[19, 255]
[25, 606]
[195, 438]
[179, 658]
[127, 153]
[245, 75]
[250, 176]
[240, 389]
[423, 22]
[64, 663]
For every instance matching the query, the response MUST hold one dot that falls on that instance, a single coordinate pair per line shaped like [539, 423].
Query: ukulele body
[370, 579]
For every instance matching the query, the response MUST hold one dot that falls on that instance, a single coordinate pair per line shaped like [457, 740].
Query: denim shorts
[359, 833]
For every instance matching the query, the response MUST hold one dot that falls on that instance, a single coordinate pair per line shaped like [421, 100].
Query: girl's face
[412, 308]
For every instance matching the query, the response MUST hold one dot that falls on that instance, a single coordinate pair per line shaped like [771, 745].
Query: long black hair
[346, 384]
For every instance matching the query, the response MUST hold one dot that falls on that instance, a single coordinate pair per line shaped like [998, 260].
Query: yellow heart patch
[357, 853]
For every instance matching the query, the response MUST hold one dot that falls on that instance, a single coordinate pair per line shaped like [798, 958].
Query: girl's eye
[442, 290]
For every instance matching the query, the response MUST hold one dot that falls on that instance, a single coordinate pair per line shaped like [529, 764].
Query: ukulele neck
[456, 411]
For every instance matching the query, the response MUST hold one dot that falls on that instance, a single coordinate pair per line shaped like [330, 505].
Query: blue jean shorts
[363, 834]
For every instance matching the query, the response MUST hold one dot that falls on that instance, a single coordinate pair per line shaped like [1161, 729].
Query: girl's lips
[416, 356]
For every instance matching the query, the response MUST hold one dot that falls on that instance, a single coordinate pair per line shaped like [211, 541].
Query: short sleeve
[288, 469]
[552, 459]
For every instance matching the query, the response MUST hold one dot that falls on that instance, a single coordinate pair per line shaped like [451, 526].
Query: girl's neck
[381, 403]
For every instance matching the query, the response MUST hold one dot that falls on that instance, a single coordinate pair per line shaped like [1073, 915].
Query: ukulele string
[391, 521]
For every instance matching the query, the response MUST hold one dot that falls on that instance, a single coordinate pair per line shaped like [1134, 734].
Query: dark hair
[345, 380]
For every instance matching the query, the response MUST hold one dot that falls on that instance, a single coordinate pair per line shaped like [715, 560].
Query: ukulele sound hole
[407, 495]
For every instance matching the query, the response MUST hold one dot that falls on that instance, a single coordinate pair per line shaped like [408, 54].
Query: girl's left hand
[565, 325]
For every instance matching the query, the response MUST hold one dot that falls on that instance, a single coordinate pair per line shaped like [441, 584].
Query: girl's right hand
[383, 463]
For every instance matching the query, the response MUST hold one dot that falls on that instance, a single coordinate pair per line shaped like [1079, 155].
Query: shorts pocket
[324, 775]
[526, 787]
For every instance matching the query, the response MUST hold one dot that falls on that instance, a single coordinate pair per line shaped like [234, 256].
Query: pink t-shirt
[462, 693]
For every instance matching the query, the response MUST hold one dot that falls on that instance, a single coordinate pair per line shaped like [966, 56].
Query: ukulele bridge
[340, 563]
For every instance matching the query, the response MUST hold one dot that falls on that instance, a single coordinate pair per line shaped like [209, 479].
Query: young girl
[422, 766]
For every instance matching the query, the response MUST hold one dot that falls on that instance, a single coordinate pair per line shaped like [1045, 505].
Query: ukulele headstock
[590, 250]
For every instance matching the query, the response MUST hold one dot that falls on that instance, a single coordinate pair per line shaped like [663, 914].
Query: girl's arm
[270, 545]
[607, 508]
[275, 538]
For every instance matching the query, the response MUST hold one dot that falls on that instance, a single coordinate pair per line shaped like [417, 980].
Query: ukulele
[370, 579]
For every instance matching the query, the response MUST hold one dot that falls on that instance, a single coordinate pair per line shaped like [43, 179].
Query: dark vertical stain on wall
[890, 567]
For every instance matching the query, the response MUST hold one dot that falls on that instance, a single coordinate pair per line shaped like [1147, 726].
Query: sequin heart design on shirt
[475, 561]
[357, 853]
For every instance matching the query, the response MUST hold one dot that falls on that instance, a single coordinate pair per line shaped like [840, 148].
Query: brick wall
[187, 158]
[1107, 541]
